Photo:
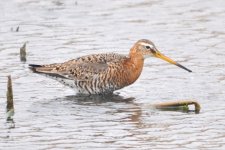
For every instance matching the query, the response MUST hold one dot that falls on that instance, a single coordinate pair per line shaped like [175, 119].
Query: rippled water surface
[51, 116]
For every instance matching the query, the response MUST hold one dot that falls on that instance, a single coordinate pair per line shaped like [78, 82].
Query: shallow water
[51, 116]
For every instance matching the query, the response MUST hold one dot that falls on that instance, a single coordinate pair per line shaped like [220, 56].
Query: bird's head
[145, 48]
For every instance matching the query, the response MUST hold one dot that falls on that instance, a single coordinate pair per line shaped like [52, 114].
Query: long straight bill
[163, 57]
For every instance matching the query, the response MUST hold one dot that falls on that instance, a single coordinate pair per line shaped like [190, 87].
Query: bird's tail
[42, 68]
[49, 71]
[34, 67]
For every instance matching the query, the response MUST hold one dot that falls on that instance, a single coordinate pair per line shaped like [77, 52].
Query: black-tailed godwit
[103, 73]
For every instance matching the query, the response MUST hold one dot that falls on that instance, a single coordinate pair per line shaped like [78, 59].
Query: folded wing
[81, 69]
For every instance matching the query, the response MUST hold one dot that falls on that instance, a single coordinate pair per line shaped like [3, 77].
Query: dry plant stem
[23, 53]
[10, 105]
[179, 103]
[17, 29]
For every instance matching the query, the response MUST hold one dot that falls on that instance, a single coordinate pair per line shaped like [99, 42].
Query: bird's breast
[128, 73]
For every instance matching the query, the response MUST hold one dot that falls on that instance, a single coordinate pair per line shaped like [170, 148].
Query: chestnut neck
[134, 64]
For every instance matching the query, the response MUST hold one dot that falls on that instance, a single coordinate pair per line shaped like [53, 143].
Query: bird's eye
[147, 47]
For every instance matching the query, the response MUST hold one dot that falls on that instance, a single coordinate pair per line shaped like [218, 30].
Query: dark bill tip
[179, 65]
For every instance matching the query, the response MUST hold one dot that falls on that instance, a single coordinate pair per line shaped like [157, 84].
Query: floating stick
[178, 105]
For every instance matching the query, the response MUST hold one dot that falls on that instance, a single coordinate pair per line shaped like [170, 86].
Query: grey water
[51, 116]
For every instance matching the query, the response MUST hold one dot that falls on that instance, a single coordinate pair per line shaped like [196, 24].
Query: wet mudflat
[49, 115]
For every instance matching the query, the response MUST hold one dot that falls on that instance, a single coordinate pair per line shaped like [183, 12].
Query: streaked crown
[144, 47]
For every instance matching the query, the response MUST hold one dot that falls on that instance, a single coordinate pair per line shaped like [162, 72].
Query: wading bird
[103, 73]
